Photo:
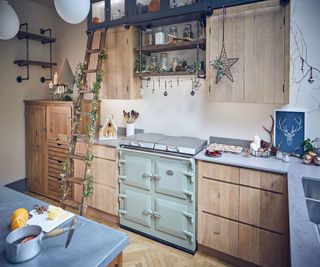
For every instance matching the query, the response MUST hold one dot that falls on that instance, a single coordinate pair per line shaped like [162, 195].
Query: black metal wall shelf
[43, 64]
[26, 35]
[173, 46]
[36, 37]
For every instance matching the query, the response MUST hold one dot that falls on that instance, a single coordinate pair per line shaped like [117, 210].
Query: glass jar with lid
[153, 63]
[160, 36]
[164, 61]
[187, 31]
[173, 32]
[148, 37]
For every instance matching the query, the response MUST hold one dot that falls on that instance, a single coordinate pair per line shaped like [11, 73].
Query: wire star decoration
[223, 65]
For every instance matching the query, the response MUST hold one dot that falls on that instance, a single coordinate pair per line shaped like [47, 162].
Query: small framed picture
[289, 130]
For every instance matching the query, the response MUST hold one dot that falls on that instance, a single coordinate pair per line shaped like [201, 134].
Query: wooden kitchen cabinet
[48, 126]
[257, 34]
[36, 139]
[105, 172]
[119, 80]
[243, 213]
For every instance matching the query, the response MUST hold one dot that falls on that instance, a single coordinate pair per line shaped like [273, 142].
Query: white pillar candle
[257, 140]
[55, 78]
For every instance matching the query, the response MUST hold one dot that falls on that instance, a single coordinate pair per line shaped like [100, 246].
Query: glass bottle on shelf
[148, 37]
[187, 31]
[160, 36]
[117, 9]
[153, 63]
[164, 61]
[172, 32]
[174, 63]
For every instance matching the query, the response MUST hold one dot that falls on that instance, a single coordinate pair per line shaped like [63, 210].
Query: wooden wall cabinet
[243, 213]
[119, 80]
[105, 172]
[257, 34]
[48, 128]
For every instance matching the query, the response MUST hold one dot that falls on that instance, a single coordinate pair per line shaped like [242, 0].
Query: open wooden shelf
[172, 47]
[36, 37]
[169, 73]
[22, 62]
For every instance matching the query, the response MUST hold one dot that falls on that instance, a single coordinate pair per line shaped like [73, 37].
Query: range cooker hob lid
[176, 144]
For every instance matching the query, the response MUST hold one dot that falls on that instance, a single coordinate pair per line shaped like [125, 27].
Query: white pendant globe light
[9, 21]
[72, 11]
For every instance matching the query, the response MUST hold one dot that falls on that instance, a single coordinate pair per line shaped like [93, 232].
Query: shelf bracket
[20, 78]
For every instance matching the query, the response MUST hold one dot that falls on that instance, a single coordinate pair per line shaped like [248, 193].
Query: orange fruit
[20, 212]
[18, 222]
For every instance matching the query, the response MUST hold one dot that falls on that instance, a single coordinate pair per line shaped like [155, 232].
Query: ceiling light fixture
[9, 21]
[72, 11]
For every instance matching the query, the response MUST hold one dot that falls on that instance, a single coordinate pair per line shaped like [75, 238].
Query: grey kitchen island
[93, 244]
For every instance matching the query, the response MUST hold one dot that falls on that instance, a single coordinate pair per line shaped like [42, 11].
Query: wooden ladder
[68, 179]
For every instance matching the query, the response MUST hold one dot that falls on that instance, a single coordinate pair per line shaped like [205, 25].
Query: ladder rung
[75, 180]
[71, 203]
[78, 157]
[90, 71]
[81, 137]
[83, 113]
[91, 51]
[85, 92]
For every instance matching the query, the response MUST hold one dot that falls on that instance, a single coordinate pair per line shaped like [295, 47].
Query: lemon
[53, 212]
[52, 215]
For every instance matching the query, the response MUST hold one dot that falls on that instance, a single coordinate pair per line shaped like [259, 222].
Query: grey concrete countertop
[110, 142]
[93, 244]
[304, 237]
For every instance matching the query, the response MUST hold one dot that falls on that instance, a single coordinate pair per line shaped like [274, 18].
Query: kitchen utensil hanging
[223, 64]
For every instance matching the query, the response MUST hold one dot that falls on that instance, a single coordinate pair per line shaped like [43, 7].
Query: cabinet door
[104, 198]
[137, 207]
[170, 218]
[105, 172]
[220, 198]
[170, 177]
[137, 171]
[257, 35]
[36, 148]
[261, 247]
[262, 208]
[218, 233]
[120, 45]
[59, 123]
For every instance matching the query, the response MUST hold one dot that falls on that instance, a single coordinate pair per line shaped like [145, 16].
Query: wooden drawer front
[218, 233]
[264, 180]
[220, 198]
[104, 198]
[261, 208]
[104, 152]
[54, 186]
[219, 172]
[99, 151]
[105, 172]
[57, 154]
[261, 247]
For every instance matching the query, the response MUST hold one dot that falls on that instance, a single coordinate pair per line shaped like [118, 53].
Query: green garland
[93, 115]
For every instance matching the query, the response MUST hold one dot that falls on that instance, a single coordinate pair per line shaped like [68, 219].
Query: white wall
[12, 94]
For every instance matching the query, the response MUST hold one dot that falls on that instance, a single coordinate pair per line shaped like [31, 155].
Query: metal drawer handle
[156, 215]
[147, 175]
[148, 212]
[156, 177]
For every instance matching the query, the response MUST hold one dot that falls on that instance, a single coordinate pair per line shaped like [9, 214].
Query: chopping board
[46, 224]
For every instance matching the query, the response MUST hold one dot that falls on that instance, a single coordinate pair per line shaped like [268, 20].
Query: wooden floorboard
[144, 252]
